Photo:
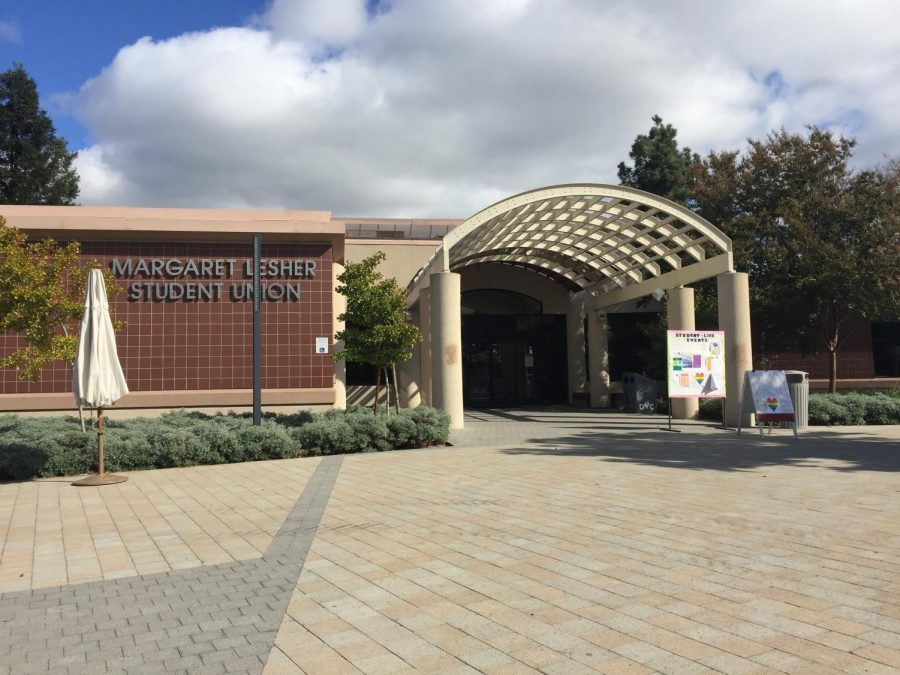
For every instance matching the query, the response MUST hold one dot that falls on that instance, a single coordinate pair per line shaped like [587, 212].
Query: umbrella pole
[101, 477]
[100, 441]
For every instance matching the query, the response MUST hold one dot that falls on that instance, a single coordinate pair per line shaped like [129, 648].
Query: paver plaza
[559, 541]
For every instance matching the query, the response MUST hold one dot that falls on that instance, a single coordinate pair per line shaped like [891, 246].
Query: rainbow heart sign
[699, 377]
[772, 403]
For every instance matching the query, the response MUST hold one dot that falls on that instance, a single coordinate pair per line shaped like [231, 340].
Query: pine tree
[660, 166]
[35, 163]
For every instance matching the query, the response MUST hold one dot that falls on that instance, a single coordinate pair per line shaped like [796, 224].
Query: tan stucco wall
[403, 258]
[505, 277]
[130, 224]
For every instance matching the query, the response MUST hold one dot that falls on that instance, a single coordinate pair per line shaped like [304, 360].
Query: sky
[434, 108]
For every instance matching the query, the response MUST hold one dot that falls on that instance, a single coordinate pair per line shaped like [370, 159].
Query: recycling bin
[798, 387]
[640, 393]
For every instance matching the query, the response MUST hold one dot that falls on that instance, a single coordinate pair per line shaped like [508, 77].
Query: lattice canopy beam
[601, 238]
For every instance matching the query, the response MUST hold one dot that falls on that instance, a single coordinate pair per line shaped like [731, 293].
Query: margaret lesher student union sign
[211, 279]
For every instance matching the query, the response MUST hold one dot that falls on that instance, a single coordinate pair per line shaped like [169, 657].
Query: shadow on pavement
[724, 451]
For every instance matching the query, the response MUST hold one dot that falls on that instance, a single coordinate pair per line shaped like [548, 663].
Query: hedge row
[56, 446]
[853, 409]
[833, 409]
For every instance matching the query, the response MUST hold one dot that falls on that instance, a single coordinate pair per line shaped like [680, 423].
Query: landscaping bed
[56, 446]
[849, 409]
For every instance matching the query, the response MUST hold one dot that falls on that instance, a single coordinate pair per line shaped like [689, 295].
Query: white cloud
[332, 23]
[10, 32]
[439, 108]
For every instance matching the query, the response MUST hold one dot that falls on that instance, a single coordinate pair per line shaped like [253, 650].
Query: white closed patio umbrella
[97, 378]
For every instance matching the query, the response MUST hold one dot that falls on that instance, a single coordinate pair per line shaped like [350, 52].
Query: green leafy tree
[42, 299]
[35, 164]
[377, 328]
[660, 166]
[820, 242]
[665, 169]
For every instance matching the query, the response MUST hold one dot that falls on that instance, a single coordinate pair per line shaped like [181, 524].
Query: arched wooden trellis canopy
[614, 242]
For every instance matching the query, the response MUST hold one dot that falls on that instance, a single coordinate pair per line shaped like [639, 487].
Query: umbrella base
[101, 479]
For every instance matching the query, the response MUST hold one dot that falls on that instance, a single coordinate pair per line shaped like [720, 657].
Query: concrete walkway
[554, 541]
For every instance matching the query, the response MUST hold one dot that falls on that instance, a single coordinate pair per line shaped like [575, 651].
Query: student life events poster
[696, 363]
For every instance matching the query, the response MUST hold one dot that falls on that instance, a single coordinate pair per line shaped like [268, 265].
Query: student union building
[520, 304]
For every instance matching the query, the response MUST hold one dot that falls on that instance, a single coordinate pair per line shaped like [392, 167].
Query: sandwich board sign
[765, 393]
[696, 363]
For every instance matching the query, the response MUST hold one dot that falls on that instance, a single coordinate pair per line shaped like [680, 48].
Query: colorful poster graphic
[696, 361]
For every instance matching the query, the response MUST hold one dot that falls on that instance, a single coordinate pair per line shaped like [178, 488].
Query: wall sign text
[211, 279]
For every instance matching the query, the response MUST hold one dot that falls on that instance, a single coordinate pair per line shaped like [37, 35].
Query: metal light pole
[257, 297]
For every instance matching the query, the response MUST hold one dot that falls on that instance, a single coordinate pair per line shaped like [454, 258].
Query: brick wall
[207, 344]
[854, 358]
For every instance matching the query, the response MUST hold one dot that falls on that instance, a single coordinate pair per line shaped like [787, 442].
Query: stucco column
[598, 357]
[734, 319]
[681, 317]
[425, 361]
[575, 350]
[409, 373]
[446, 346]
[338, 306]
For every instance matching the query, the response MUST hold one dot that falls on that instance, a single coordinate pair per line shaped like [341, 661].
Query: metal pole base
[101, 479]
[674, 431]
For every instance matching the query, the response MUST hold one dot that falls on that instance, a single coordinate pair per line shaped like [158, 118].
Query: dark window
[360, 374]
[587, 352]
[886, 348]
[363, 374]
[637, 343]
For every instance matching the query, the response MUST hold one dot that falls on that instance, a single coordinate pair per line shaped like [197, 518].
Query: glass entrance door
[514, 360]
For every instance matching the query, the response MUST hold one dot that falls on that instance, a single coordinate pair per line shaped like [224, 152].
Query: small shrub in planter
[402, 432]
[325, 436]
[70, 452]
[181, 447]
[822, 410]
[882, 409]
[369, 432]
[853, 409]
[223, 441]
[855, 405]
[53, 446]
[711, 409]
[44, 446]
[359, 430]
[129, 449]
[268, 441]
[293, 420]
[336, 431]
[432, 425]
[21, 461]
[841, 409]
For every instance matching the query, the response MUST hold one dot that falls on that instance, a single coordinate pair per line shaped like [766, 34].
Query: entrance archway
[605, 245]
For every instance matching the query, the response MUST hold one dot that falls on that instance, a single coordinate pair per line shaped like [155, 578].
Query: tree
[664, 169]
[42, 298]
[35, 164]
[660, 166]
[820, 242]
[377, 328]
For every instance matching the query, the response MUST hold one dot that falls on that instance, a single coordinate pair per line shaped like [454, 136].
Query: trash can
[798, 386]
[640, 393]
